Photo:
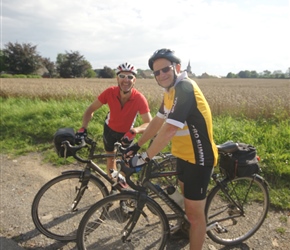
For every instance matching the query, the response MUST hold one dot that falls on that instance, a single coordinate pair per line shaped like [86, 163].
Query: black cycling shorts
[195, 178]
[110, 137]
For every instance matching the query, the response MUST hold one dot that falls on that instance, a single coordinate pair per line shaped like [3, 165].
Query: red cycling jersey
[122, 118]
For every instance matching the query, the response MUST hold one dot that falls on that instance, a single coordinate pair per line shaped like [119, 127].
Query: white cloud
[216, 36]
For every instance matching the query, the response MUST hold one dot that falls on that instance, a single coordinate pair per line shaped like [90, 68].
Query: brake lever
[74, 149]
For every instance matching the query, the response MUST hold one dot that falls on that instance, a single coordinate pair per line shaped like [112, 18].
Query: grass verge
[28, 125]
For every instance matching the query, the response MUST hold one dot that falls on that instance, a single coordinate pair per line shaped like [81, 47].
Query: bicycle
[60, 203]
[235, 210]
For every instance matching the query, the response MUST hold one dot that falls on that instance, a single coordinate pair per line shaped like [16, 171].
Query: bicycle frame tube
[104, 155]
[85, 178]
[163, 196]
[147, 175]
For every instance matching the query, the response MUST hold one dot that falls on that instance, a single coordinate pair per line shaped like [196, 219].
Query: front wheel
[52, 211]
[233, 221]
[106, 225]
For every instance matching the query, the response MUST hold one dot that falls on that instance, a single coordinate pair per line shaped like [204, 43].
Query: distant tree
[254, 74]
[50, 66]
[266, 74]
[141, 73]
[107, 72]
[21, 58]
[72, 64]
[2, 62]
[231, 75]
[244, 74]
[90, 73]
[97, 71]
[278, 74]
[287, 74]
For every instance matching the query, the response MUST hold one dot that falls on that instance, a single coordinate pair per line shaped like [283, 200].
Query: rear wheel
[166, 165]
[52, 206]
[233, 224]
[104, 225]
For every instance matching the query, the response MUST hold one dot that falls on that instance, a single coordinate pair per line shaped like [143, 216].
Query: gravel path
[22, 177]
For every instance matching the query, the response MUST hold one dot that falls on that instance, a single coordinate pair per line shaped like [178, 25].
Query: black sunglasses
[122, 76]
[164, 70]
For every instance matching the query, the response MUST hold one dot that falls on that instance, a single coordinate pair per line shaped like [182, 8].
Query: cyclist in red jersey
[124, 102]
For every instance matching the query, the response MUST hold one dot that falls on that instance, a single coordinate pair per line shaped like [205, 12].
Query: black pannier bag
[63, 134]
[240, 163]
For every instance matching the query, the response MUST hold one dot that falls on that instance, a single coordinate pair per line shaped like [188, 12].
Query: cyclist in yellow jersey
[185, 119]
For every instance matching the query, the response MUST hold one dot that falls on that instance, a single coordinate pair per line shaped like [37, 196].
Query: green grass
[29, 125]
[281, 230]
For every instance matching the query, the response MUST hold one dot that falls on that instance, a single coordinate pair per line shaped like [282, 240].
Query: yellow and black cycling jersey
[185, 107]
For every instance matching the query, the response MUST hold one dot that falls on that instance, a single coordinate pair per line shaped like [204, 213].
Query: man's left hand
[132, 150]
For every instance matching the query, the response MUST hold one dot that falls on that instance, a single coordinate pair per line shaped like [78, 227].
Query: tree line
[23, 59]
[278, 74]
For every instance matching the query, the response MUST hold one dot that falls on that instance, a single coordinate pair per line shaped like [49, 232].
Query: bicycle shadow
[171, 245]
[177, 244]
[184, 244]
[31, 238]
[242, 246]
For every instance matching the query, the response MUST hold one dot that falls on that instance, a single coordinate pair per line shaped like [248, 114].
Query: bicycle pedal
[219, 229]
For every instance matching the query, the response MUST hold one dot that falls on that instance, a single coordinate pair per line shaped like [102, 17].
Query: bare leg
[195, 213]
[111, 163]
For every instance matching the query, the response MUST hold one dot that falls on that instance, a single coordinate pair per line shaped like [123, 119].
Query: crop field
[251, 98]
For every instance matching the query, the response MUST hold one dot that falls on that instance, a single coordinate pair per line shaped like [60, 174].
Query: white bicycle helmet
[126, 67]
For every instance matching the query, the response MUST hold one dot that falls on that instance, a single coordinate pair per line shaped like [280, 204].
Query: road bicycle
[60, 204]
[235, 210]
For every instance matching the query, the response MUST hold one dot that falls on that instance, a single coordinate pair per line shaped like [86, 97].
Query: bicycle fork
[142, 197]
[84, 179]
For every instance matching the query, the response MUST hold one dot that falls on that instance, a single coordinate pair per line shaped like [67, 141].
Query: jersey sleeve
[143, 105]
[161, 111]
[103, 97]
[183, 102]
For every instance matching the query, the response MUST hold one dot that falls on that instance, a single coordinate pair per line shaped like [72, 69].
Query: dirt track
[22, 177]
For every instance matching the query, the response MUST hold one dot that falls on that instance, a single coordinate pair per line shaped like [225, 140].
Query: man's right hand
[81, 133]
[132, 150]
[128, 138]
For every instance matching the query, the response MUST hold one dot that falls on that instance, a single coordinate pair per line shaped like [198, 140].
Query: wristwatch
[145, 157]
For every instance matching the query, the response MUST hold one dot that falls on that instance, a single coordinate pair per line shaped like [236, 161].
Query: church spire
[188, 69]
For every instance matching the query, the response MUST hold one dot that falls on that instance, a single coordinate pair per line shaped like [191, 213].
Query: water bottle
[175, 195]
[121, 179]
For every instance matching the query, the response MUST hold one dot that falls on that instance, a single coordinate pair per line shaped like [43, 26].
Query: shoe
[126, 207]
[122, 181]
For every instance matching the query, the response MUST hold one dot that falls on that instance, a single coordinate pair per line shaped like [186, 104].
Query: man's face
[126, 81]
[163, 71]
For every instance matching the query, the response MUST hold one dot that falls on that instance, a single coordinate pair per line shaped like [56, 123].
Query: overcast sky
[218, 36]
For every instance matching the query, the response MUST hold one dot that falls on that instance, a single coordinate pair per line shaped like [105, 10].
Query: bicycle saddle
[227, 147]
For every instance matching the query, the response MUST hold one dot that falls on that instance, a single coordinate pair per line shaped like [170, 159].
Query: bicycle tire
[254, 201]
[102, 226]
[51, 207]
